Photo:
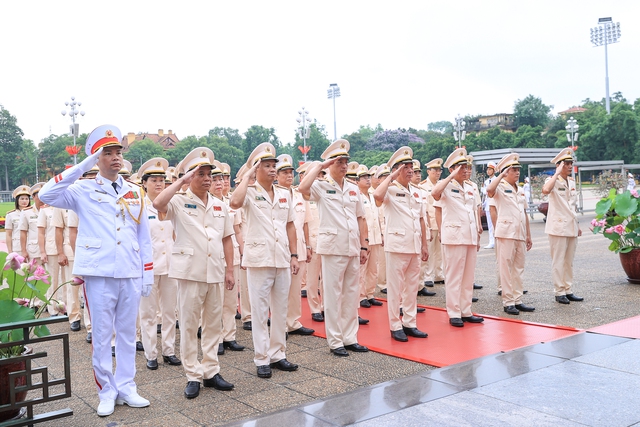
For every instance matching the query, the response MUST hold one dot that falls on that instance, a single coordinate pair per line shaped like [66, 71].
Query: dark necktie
[115, 187]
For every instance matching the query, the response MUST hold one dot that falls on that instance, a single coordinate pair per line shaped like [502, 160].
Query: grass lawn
[6, 207]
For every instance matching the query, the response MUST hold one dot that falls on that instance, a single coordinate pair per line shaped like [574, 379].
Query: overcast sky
[189, 66]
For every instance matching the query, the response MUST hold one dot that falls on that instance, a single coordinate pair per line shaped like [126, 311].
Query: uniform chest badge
[282, 200]
[300, 204]
[508, 191]
[131, 195]
[217, 208]
[261, 199]
[190, 206]
[415, 195]
[400, 194]
[561, 188]
[331, 191]
[352, 193]
[453, 190]
[152, 217]
[470, 193]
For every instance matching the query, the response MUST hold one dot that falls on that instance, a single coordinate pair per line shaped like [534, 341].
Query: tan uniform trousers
[229, 307]
[433, 269]
[269, 289]
[511, 254]
[369, 273]
[196, 300]
[459, 268]
[245, 303]
[55, 272]
[497, 242]
[73, 299]
[163, 298]
[341, 284]
[294, 306]
[382, 267]
[563, 250]
[314, 284]
[402, 288]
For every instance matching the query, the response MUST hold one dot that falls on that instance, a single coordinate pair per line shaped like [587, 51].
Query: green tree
[232, 135]
[256, 135]
[11, 146]
[141, 151]
[442, 126]
[531, 111]
[53, 154]
[318, 141]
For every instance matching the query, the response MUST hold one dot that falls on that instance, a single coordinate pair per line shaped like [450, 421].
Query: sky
[190, 66]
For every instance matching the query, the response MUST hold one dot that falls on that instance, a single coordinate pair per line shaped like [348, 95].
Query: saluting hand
[188, 177]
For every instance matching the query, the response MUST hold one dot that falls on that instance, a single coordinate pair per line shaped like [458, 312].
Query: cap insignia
[157, 163]
[109, 133]
[203, 154]
[406, 152]
[267, 149]
[342, 145]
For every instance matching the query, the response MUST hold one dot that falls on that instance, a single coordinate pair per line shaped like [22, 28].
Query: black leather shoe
[75, 326]
[572, 297]
[302, 331]
[456, 321]
[474, 299]
[192, 390]
[511, 309]
[89, 337]
[425, 293]
[475, 286]
[357, 348]
[362, 321]
[177, 324]
[269, 322]
[414, 332]
[525, 292]
[439, 282]
[500, 293]
[375, 302]
[220, 349]
[172, 360]
[317, 317]
[562, 299]
[473, 319]
[264, 371]
[152, 364]
[421, 309]
[384, 291]
[200, 332]
[428, 283]
[303, 293]
[232, 345]
[284, 365]
[365, 303]
[113, 351]
[139, 346]
[238, 317]
[218, 383]
[340, 351]
[159, 329]
[246, 326]
[399, 335]
[523, 307]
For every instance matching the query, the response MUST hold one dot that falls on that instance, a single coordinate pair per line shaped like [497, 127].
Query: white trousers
[269, 290]
[402, 287]
[113, 306]
[314, 284]
[369, 274]
[229, 308]
[341, 282]
[163, 298]
[294, 306]
[245, 303]
[563, 250]
[459, 269]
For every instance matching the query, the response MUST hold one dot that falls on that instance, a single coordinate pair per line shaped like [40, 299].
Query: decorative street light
[572, 131]
[304, 131]
[605, 34]
[332, 93]
[74, 127]
[459, 132]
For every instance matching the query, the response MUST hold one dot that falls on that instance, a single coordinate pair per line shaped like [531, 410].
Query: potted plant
[618, 219]
[23, 289]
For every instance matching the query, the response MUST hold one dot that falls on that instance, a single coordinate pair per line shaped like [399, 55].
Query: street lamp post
[332, 93]
[74, 127]
[304, 131]
[572, 132]
[605, 34]
[459, 132]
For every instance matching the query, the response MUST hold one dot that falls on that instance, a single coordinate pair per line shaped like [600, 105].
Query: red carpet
[446, 345]
[626, 328]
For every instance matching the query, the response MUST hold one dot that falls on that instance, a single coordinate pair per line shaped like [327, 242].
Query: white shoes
[489, 247]
[106, 407]
[134, 400]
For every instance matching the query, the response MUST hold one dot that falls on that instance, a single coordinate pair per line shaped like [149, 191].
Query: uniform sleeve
[24, 221]
[315, 191]
[42, 219]
[238, 217]
[307, 212]
[359, 207]
[57, 219]
[72, 218]
[171, 210]
[60, 191]
[291, 216]
[228, 223]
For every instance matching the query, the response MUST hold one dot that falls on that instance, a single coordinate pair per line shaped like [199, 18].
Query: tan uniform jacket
[403, 208]
[372, 215]
[427, 187]
[301, 217]
[197, 253]
[236, 245]
[44, 220]
[459, 214]
[562, 218]
[266, 243]
[511, 205]
[161, 240]
[339, 209]
[29, 223]
[65, 218]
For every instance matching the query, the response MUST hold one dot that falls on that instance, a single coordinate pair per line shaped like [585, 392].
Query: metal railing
[44, 385]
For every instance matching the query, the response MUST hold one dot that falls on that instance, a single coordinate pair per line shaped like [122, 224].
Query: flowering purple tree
[391, 140]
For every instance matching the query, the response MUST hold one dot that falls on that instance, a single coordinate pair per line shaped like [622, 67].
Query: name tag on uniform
[508, 191]
[217, 208]
[261, 199]
[331, 191]
[152, 217]
[100, 191]
[189, 206]
[561, 189]
[400, 194]
[455, 191]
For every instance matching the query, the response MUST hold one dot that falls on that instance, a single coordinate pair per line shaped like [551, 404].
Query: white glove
[146, 290]
[90, 161]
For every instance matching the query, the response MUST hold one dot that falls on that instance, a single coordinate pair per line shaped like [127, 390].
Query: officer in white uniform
[114, 256]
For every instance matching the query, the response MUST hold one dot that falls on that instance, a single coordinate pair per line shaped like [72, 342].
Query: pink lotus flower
[619, 229]
[13, 261]
[59, 307]
[76, 281]
[23, 301]
[634, 193]
[40, 274]
[33, 265]
[594, 222]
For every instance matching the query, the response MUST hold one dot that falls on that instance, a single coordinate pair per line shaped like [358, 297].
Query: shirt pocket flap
[453, 224]
[327, 231]
[255, 241]
[396, 231]
[98, 197]
[182, 250]
[88, 242]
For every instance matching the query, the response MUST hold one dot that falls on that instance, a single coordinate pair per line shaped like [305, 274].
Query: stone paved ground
[598, 277]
